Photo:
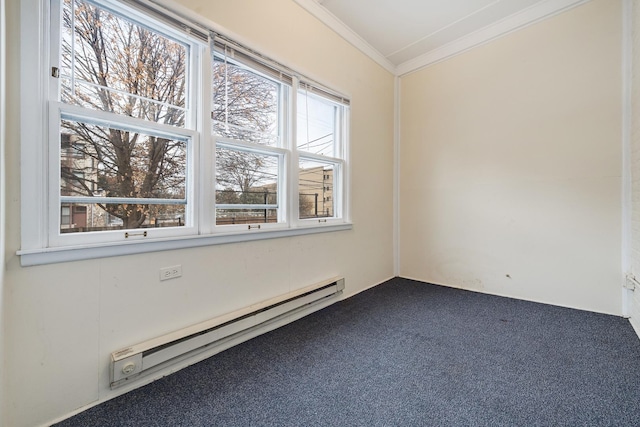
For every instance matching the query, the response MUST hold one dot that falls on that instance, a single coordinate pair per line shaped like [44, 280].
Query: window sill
[76, 253]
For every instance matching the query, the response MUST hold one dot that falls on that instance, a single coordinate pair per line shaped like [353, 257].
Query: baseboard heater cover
[131, 362]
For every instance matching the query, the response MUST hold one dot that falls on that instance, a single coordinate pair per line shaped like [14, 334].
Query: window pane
[106, 162]
[257, 196]
[246, 216]
[316, 189]
[316, 125]
[106, 216]
[110, 63]
[245, 178]
[245, 104]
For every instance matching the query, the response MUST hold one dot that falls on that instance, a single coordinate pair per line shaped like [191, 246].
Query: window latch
[55, 72]
[127, 235]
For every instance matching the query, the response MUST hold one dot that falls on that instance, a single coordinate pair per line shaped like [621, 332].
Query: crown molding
[519, 20]
[331, 21]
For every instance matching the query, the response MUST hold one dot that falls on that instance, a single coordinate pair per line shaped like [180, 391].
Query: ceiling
[404, 35]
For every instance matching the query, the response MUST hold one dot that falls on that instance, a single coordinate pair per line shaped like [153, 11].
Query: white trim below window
[77, 253]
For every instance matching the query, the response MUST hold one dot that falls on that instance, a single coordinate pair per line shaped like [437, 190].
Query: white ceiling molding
[491, 32]
[331, 21]
[531, 15]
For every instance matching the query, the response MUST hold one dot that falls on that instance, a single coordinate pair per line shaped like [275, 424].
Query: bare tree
[245, 173]
[112, 64]
[245, 107]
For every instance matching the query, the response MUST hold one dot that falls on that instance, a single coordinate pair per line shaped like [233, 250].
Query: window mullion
[319, 157]
[345, 175]
[107, 118]
[119, 200]
[54, 48]
[53, 205]
[248, 147]
[292, 183]
[207, 162]
[52, 211]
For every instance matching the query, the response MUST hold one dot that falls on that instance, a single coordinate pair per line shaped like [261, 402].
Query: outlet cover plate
[173, 272]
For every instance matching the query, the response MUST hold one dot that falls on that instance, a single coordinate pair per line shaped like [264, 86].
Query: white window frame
[338, 160]
[281, 149]
[70, 112]
[189, 133]
[38, 204]
[338, 185]
[280, 207]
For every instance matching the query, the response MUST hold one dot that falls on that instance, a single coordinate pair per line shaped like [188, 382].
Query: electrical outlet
[167, 273]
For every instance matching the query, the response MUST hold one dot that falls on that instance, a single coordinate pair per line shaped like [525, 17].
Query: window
[124, 116]
[65, 216]
[321, 139]
[248, 116]
[134, 152]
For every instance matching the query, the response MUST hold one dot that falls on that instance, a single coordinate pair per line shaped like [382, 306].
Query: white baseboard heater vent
[221, 332]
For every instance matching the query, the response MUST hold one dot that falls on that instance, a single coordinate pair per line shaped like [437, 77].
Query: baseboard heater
[153, 355]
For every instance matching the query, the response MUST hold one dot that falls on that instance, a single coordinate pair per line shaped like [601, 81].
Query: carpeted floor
[406, 353]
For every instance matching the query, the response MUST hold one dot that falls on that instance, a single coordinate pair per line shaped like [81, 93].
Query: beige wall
[510, 164]
[510, 182]
[65, 319]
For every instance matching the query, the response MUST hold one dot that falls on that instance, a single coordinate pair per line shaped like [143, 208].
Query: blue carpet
[406, 353]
